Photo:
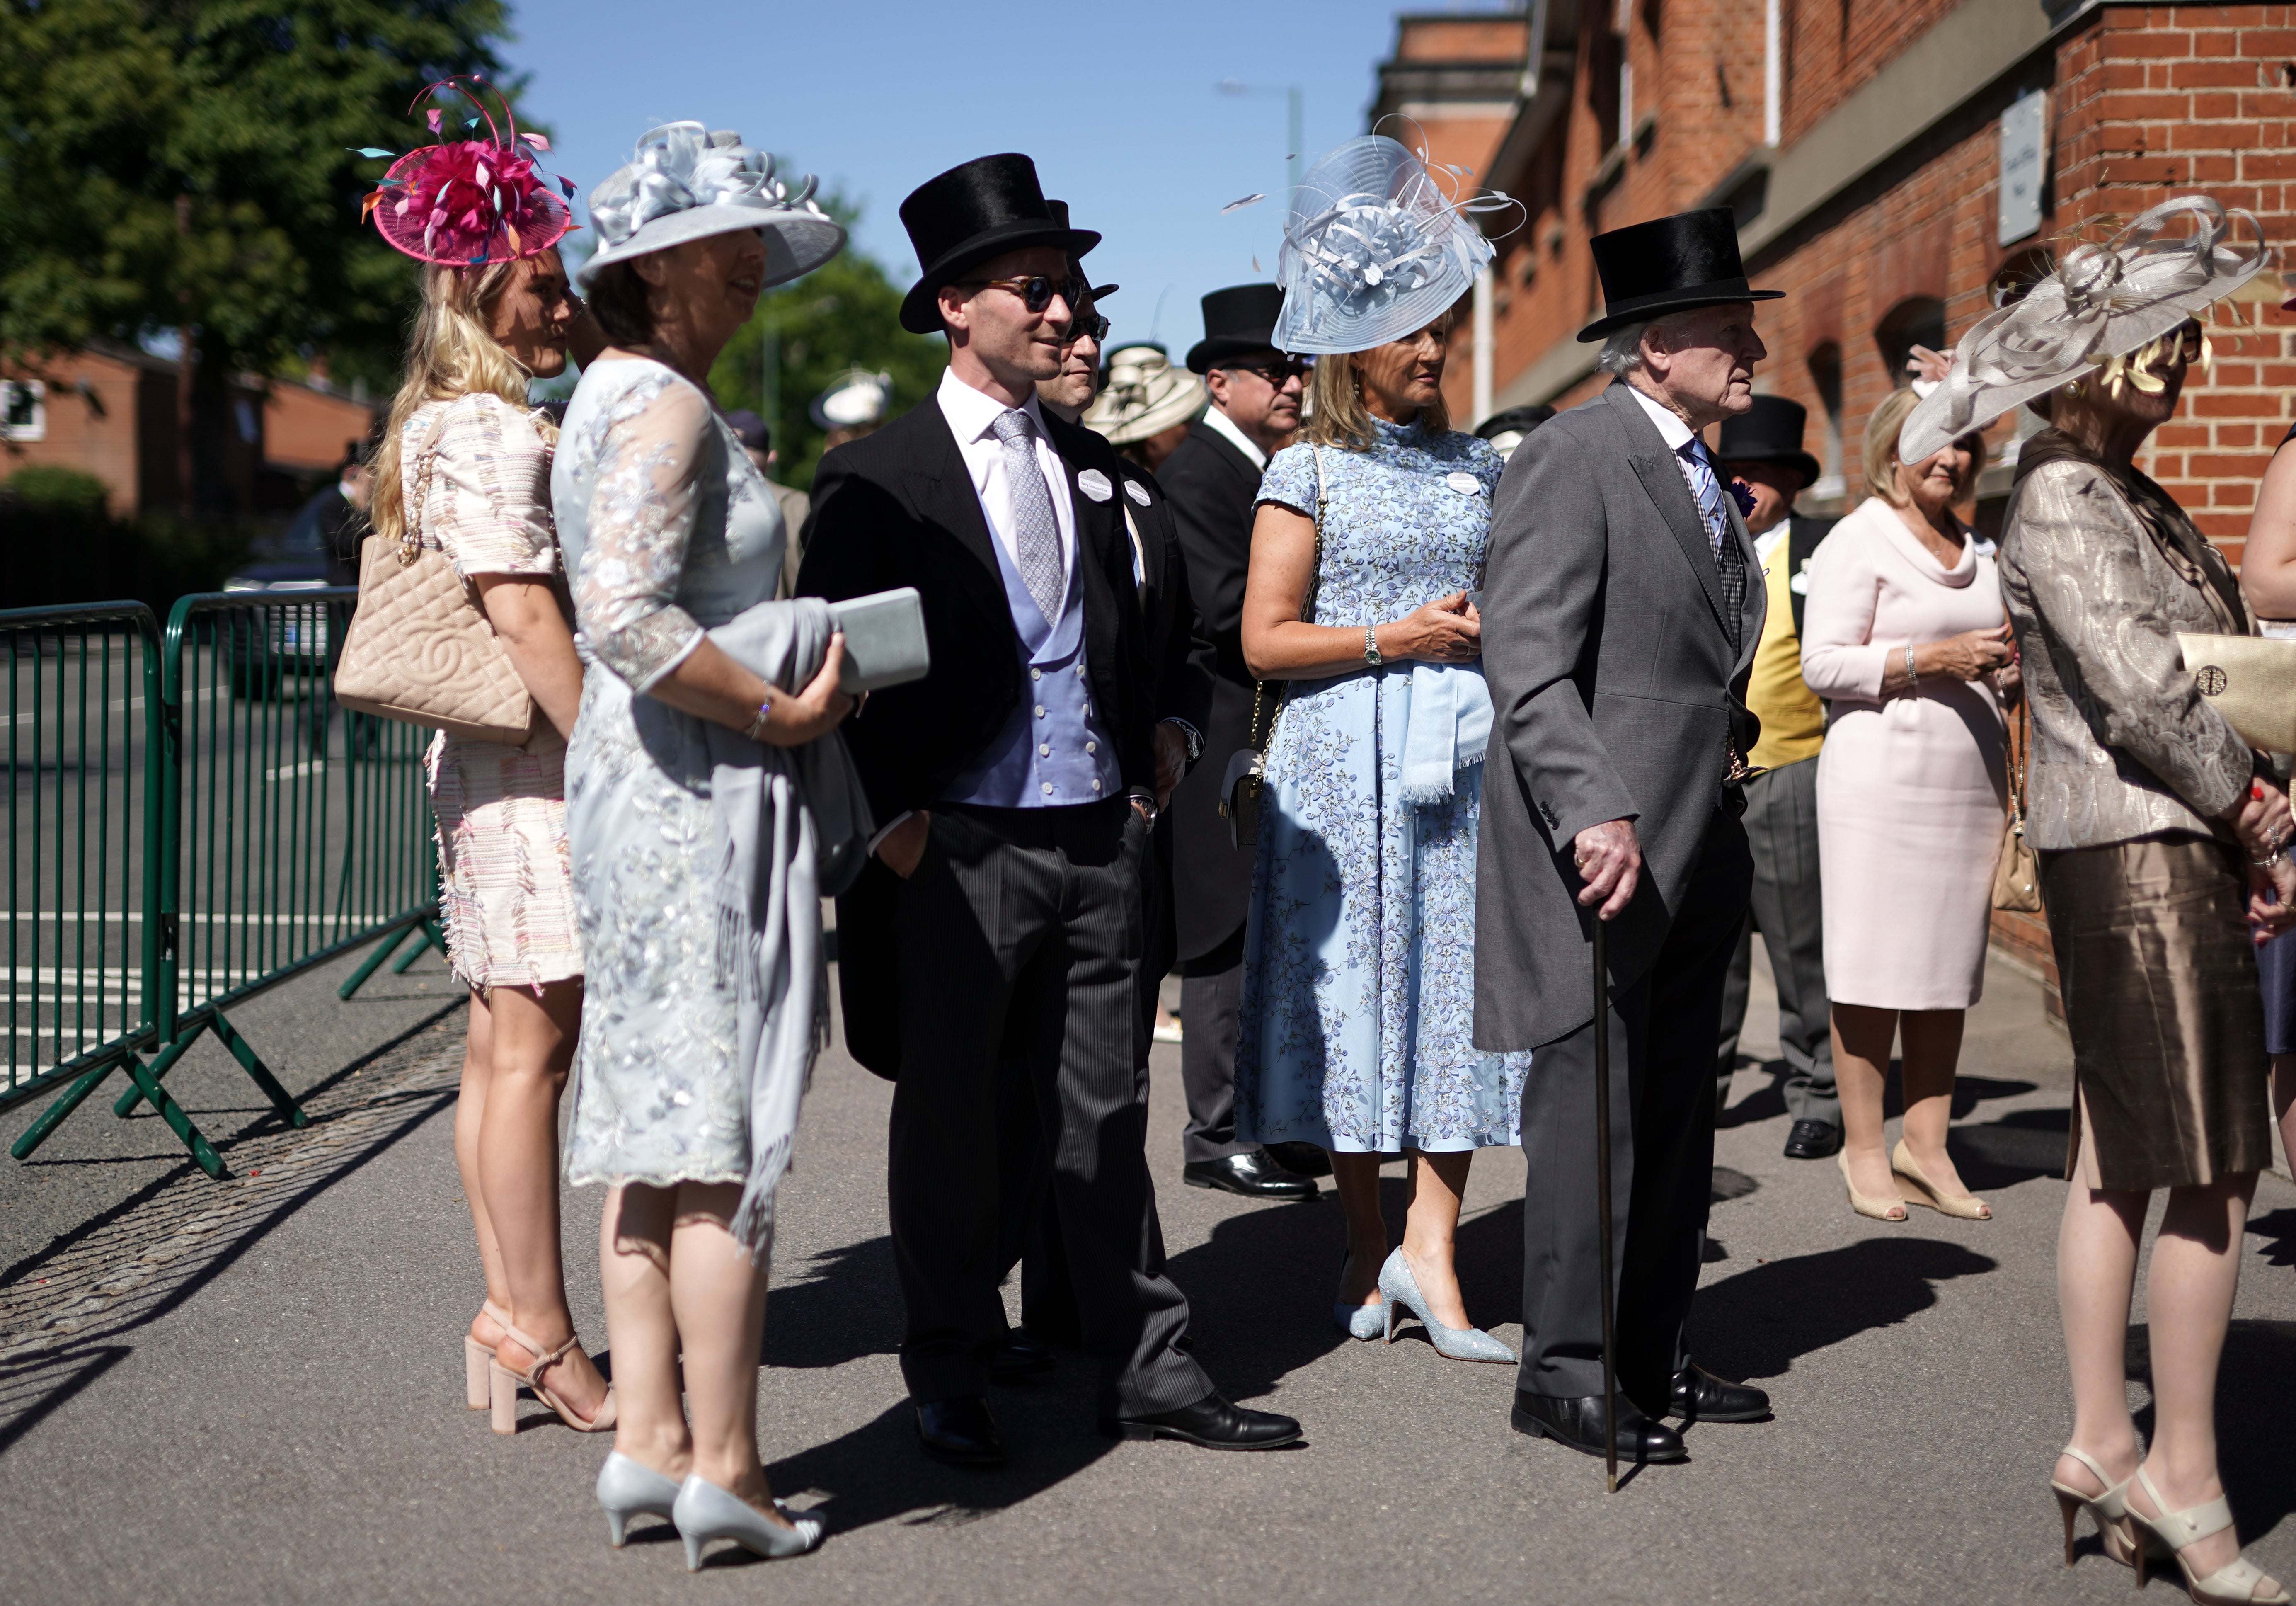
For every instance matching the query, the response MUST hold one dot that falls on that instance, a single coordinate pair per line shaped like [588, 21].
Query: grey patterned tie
[1036, 533]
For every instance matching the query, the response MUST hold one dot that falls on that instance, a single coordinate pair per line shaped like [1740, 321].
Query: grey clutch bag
[884, 640]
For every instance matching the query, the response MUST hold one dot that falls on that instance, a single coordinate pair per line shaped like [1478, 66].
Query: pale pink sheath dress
[1911, 787]
[505, 875]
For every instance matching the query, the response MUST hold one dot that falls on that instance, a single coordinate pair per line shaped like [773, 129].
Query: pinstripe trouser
[1020, 938]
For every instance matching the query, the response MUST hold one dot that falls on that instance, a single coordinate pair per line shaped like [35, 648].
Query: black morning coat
[897, 508]
[1211, 486]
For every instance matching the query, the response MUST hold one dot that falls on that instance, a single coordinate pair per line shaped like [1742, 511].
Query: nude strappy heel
[477, 1392]
[2232, 1585]
[1961, 1206]
[2109, 1510]
[504, 1384]
[1866, 1204]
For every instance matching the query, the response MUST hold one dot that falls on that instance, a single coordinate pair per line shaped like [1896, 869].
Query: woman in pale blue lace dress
[1357, 1026]
[669, 531]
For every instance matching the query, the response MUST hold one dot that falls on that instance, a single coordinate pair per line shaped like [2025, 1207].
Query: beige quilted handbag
[421, 649]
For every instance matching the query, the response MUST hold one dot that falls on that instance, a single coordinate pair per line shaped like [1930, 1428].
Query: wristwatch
[1371, 646]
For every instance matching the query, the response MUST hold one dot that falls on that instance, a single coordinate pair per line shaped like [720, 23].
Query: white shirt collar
[1234, 433]
[1672, 430]
[973, 415]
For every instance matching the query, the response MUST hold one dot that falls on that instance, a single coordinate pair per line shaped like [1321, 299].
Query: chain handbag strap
[410, 534]
[1255, 736]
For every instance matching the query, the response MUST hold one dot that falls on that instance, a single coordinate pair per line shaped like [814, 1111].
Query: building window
[23, 409]
[1919, 322]
[1825, 376]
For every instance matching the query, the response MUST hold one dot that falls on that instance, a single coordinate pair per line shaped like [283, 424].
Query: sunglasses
[1276, 374]
[1088, 325]
[1035, 290]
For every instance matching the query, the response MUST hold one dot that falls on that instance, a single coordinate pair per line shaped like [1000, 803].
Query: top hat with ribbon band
[961, 218]
[1769, 431]
[1669, 265]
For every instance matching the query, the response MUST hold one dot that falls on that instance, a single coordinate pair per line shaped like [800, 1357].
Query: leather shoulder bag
[1244, 787]
[2017, 877]
[420, 647]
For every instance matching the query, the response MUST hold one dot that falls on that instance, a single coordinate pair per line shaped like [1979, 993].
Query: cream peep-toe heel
[503, 1385]
[477, 1392]
[2110, 1511]
[1961, 1206]
[2232, 1585]
[1867, 1204]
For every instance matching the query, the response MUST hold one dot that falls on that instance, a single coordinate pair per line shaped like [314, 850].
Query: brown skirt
[2160, 987]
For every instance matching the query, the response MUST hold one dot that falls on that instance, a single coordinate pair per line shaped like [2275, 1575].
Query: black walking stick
[1602, 1217]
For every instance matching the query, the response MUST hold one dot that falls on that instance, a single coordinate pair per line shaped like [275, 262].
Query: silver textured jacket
[2123, 746]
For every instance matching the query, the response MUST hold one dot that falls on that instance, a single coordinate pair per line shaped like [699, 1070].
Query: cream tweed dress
[505, 886]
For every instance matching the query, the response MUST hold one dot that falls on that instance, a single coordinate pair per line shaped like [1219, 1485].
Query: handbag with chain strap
[420, 647]
[1244, 787]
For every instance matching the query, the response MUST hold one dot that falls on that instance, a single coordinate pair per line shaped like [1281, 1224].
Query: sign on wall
[2023, 134]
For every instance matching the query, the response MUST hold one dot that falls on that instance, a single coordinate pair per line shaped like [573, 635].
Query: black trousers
[1211, 992]
[1022, 928]
[1788, 909]
[1662, 1033]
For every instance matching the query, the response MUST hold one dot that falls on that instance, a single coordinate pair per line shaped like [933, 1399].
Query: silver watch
[1371, 646]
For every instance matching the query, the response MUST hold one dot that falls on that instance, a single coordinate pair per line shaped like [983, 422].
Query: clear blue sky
[1115, 102]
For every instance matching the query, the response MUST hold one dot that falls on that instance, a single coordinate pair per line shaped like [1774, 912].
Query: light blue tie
[1709, 492]
[1036, 533]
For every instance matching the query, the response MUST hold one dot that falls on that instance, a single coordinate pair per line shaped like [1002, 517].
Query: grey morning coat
[1614, 693]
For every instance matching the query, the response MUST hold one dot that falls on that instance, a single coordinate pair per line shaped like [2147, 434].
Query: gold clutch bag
[2251, 681]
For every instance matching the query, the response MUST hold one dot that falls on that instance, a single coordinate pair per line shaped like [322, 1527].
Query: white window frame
[38, 429]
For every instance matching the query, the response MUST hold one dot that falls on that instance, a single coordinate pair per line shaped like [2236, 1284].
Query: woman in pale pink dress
[1906, 639]
[467, 464]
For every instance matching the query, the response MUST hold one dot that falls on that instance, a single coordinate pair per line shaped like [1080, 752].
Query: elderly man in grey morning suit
[1621, 608]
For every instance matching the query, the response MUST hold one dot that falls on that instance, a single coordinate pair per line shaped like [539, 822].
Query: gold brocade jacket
[2100, 571]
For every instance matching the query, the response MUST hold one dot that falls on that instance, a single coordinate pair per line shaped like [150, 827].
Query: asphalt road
[264, 1403]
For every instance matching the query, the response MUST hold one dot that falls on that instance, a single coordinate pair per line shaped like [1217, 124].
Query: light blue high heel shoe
[1400, 1290]
[703, 1512]
[1362, 1321]
[629, 1488]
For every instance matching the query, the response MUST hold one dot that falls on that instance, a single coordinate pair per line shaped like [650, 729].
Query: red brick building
[1888, 161]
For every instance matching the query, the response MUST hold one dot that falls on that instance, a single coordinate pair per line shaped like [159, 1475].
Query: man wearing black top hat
[1014, 789]
[1621, 614]
[1761, 449]
[1212, 479]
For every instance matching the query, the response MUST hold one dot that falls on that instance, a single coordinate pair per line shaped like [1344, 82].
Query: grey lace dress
[668, 531]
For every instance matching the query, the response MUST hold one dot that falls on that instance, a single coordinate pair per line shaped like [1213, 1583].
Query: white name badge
[1137, 491]
[1464, 483]
[1095, 484]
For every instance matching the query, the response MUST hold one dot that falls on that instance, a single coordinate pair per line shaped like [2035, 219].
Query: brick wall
[1832, 47]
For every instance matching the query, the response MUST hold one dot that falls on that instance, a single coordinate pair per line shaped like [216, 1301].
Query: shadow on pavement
[849, 1306]
[1767, 1103]
[2256, 1393]
[1758, 1323]
[2279, 1229]
[2021, 1145]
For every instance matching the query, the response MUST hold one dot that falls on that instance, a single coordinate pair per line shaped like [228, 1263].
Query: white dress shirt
[1227, 427]
[972, 417]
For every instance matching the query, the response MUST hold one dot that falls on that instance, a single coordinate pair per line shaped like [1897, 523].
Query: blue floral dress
[1357, 1030]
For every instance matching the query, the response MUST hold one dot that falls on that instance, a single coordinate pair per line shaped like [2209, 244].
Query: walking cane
[1603, 1216]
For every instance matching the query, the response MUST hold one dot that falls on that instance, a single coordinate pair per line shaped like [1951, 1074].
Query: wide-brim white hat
[1375, 247]
[1146, 396]
[687, 183]
[2103, 302]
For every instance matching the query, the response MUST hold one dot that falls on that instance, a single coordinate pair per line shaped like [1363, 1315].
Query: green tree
[188, 164]
[846, 314]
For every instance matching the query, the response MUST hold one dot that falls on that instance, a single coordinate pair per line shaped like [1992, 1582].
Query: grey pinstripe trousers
[1020, 939]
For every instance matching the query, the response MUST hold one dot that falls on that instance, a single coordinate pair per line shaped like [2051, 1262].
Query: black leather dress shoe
[1019, 1357]
[1253, 1174]
[960, 1432]
[1701, 1396]
[1211, 1424]
[1813, 1141]
[1302, 1159]
[1578, 1424]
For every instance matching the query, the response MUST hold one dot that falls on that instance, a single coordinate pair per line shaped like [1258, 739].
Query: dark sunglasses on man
[1036, 289]
[1276, 374]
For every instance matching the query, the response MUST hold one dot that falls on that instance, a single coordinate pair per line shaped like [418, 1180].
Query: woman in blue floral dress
[1356, 1028]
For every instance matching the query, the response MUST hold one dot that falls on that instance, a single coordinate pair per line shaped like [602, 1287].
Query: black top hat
[1769, 431]
[1239, 321]
[1060, 210]
[958, 221]
[1669, 265]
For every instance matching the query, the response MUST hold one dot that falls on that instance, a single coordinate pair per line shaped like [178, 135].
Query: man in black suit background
[1761, 449]
[1014, 789]
[1212, 479]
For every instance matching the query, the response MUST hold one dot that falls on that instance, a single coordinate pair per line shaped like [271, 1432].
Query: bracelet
[2268, 860]
[1371, 646]
[1913, 675]
[756, 730]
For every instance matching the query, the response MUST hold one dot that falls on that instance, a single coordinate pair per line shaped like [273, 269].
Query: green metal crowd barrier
[192, 821]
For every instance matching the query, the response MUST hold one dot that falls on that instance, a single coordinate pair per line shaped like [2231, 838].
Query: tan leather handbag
[2017, 873]
[2251, 681]
[421, 648]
